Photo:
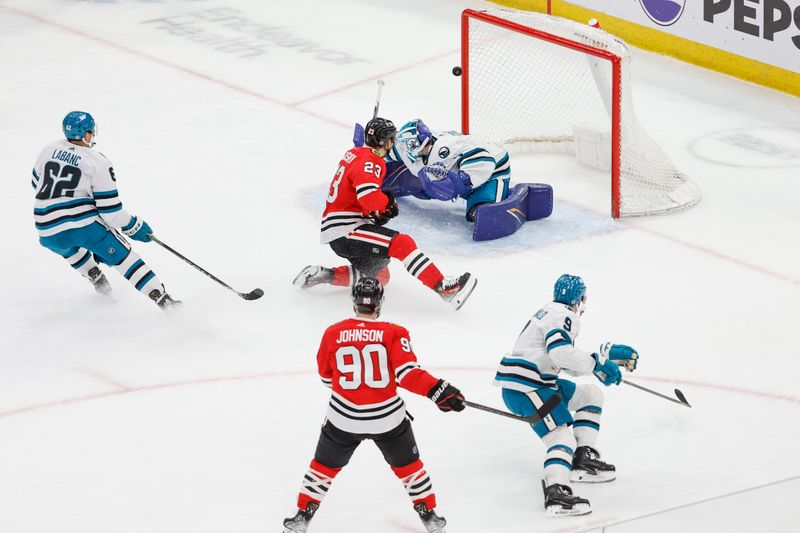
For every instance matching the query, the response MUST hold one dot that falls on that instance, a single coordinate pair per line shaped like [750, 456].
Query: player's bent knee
[591, 394]
[401, 246]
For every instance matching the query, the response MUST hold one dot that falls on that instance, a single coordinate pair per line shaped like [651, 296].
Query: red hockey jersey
[354, 193]
[364, 361]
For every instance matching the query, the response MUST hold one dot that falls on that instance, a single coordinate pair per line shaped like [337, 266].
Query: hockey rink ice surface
[117, 418]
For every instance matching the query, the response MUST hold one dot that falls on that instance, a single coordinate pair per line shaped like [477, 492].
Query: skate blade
[580, 476]
[463, 295]
[576, 510]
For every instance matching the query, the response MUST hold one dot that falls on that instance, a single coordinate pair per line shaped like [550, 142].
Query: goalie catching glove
[442, 184]
[610, 358]
[446, 397]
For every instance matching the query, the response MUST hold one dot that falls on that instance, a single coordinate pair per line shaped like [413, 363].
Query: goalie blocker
[527, 201]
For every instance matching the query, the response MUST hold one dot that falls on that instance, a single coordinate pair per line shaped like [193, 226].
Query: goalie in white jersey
[77, 211]
[447, 165]
[530, 375]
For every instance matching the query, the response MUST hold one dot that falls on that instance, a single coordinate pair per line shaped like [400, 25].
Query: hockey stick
[551, 403]
[255, 294]
[680, 401]
[381, 83]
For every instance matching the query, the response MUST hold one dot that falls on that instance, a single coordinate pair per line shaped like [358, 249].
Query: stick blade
[682, 398]
[255, 294]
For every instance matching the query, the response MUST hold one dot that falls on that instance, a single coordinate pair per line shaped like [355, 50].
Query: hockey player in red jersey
[353, 225]
[363, 361]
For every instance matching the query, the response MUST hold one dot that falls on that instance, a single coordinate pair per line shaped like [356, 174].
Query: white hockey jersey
[545, 347]
[75, 186]
[481, 160]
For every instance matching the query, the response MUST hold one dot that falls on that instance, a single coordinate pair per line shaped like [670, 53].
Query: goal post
[530, 81]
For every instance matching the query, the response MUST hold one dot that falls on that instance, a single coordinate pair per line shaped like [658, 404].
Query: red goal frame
[469, 14]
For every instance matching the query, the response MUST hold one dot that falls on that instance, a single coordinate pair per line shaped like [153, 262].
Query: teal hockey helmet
[76, 124]
[569, 290]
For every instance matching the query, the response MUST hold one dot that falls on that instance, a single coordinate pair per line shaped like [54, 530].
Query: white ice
[115, 417]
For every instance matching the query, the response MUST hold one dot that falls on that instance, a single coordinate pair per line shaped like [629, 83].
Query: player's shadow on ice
[442, 228]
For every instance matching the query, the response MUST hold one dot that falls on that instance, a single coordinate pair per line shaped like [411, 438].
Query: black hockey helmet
[378, 132]
[367, 296]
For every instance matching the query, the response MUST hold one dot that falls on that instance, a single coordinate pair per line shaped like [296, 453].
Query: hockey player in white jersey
[530, 375]
[448, 165]
[77, 211]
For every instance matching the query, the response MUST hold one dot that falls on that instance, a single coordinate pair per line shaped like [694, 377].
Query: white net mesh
[528, 93]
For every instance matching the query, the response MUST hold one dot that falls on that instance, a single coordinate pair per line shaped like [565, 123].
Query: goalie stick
[255, 294]
[551, 403]
[681, 400]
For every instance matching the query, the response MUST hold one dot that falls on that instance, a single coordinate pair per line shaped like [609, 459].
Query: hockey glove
[442, 184]
[392, 210]
[623, 355]
[606, 371]
[446, 397]
[138, 230]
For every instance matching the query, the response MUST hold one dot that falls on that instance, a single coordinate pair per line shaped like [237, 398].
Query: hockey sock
[417, 483]
[82, 261]
[139, 274]
[417, 263]
[316, 483]
[558, 459]
[383, 276]
[342, 276]
[587, 425]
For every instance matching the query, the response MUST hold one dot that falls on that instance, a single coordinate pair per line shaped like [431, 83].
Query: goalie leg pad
[527, 201]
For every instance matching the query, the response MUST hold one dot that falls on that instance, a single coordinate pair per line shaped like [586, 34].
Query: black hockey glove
[391, 211]
[446, 397]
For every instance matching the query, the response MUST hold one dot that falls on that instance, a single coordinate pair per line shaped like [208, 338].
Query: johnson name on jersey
[363, 362]
[544, 348]
[481, 160]
[354, 193]
[75, 186]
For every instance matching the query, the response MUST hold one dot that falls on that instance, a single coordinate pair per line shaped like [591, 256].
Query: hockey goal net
[530, 79]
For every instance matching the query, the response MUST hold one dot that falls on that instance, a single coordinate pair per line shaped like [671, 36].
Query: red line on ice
[266, 375]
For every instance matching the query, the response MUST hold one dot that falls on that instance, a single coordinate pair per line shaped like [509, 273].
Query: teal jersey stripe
[477, 160]
[527, 364]
[71, 203]
[558, 330]
[90, 214]
[105, 194]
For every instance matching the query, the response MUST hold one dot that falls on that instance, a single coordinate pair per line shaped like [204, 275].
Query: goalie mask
[570, 290]
[367, 295]
[413, 137]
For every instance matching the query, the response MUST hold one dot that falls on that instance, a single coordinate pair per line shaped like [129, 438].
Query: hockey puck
[457, 71]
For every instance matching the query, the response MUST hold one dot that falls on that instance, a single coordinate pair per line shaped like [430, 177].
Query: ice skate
[299, 522]
[588, 468]
[313, 275]
[100, 282]
[164, 301]
[558, 500]
[456, 289]
[433, 522]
